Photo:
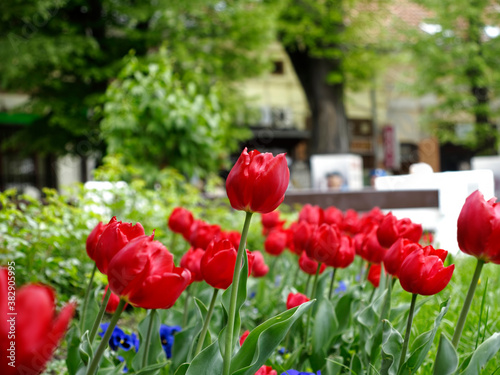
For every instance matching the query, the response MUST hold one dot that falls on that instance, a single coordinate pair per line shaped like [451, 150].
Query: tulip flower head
[295, 299]
[114, 237]
[93, 239]
[217, 264]
[143, 273]
[374, 274]
[259, 267]
[313, 215]
[167, 338]
[203, 233]
[38, 329]
[478, 228]
[309, 265]
[191, 260]
[390, 229]
[244, 337]
[180, 221]
[271, 221]
[423, 272]
[276, 242]
[266, 370]
[257, 182]
[324, 244]
[397, 253]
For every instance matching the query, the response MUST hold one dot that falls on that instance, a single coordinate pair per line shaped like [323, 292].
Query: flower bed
[329, 292]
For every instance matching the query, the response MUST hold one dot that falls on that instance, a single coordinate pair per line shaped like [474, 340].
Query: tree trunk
[329, 133]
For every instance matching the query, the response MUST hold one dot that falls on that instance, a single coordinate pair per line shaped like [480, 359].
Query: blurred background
[119, 89]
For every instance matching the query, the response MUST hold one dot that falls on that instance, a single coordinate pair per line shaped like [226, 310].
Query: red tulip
[391, 229]
[271, 221]
[203, 233]
[397, 253]
[345, 254]
[93, 239]
[217, 264]
[423, 272]
[324, 244]
[302, 234]
[180, 221]
[113, 239]
[244, 337]
[479, 228]
[191, 260]
[295, 299]
[143, 273]
[334, 216]
[36, 327]
[259, 267]
[113, 301]
[350, 224]
[232, 235]
[266, 370]
[309, 265]
[374, 274]
[257, 182]
[275, 242]
[313, 215]
[370, 249]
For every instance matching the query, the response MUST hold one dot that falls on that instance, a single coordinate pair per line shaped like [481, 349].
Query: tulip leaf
[185, 340]
[484, 352]
[155, 348]
[446, 362]
[73, 359]
[151, 369]
[241, 297]
[182, 369]
[208, 362]
[392, 343]
[203, 312]
[263, 340]
[356, 365]
[85, 349]
[343, 312]
[422, 344]
[324, 328]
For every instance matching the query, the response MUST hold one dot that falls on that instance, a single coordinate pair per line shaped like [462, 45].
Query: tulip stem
[331, 283]
[406, 341]
[147, 342]
[468, 301]
[296, 275]
[228, 352]
[99, 316]
[86, 299]
[94, 364]
[307, 284]
[186, 306]
[204, 330]
[313, 294]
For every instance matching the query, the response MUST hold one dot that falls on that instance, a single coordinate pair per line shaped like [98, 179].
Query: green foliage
[458, 64]
[154, 120]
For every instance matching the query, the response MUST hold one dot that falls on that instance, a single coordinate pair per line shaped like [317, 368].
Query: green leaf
[73, 359]
[483, 354]
[392, 343]
[446, 362]
[324, 329]
[263, 340]
[422, 344]
[182, 369]
[202, 309]
[151, 369]
[85, 349]
[207, 362]
[356, 365]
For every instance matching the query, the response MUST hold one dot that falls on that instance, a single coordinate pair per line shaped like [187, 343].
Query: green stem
[468, 301]
[204, 330]
[234, 294]
[86, 299]
[331, 283]
[99, 316]
[296, 275]
[147, 342]
[313, 294]
[186, 306]
[408, 331]
[386, 307]
[94, 364]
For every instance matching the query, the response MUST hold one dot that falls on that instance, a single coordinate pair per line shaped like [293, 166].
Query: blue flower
[342, 287]
[167, 338]
[295, 372]
[119, 339]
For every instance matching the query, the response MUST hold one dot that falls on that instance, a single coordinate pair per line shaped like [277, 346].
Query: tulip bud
[180, 221]
[191, 260]
[295, 299]
[275, 242]
[259, 267]
[257, 182]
